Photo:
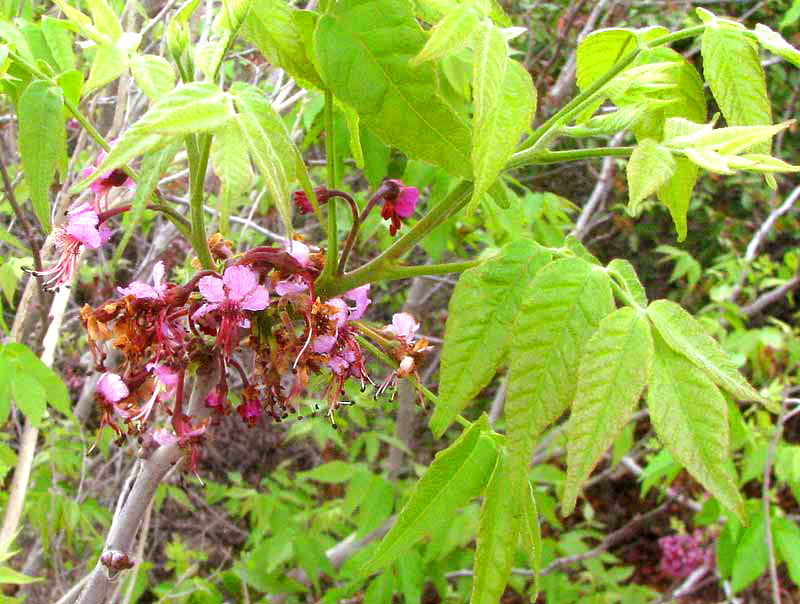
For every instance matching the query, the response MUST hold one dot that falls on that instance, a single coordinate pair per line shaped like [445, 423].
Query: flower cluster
[683, 554]
[258, 320]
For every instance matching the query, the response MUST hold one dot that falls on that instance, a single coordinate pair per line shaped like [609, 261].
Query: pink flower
[112, 388]
[300, 252]
[83, 229]
[682, 554]
[143, 291]
[238, 291]
[399, 204]
[403, 326]
[250, 411]
[293, 285]
[166, 382]
[103, 185]
[302, 202]
[359, 296]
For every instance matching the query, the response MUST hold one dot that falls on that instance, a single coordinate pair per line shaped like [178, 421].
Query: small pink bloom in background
[83, 229]
[404, 326]
[144, 291]
[112, 388]
[103, 185]
[402, 206]
[683, 554]
[238, 291]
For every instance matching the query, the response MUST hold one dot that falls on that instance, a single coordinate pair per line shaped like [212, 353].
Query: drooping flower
[302, 202]
[404, 326]
[83, 229]
[400, 202]
[165, 384]
[111, 387]
[230, 297]
[145, 291]
[250, 410]
[103, 185]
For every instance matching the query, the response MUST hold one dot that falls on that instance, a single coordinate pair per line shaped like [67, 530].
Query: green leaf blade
[456, 475]
[449, 35]
[614, 370]
[650, 167]
[690, 416]
[42, 136]
[686, 336]
[231, 162]
[479, 327]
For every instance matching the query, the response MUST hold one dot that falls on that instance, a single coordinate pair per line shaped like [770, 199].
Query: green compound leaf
[231, 163]
[614, 370]
[449, 35]
[363, 48]
[498, 535]
[561, 308]
[42, 138]
[650, 167]
[686, 336]
[271, 26]
[733, 71]
[480, 323]
[498, 125]
[690, 416]
[456, 475]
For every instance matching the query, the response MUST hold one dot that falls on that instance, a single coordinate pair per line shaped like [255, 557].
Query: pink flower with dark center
[144, 291]
[404, 326]
[111, 387]
[399, 205]
[103, 185]
[83, 229]
[230, 297]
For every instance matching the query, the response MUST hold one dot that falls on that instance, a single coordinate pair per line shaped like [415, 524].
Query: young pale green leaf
[231, 163]
[684, 334]
[83, 23]
[758, 162]
[498, 535]
[480, 324]
[727, 141]
[690, 416]
[504, 116]
[627, 274]
[650, 167]
[154, 75]
[108, 64]
[188, 109]
[71, 82]
[354, 132]
[623, 118]
[449, 35]
[751, 558]
[231, 16]
[614, 369]
[561, 308]
[362, 48]
[777, 44]
[600, 51]
[153, 167]
[733, 71]
[268, 162]
[676, 193]
[105, 19]
[42, 137]
[710, 160]
[456, 475]
[11, 577]
[271, 27]
[58, 36]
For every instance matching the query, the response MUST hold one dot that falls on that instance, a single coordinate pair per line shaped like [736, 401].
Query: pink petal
[300, 252]
[140, 291]
[341, 313]
[257, 299]
[111, 386]
[240, 281]
[338, 365]
[404, 326]
[323, 344]
[166, 376]
[359, 296]
[406, 201]
[87, 235]
[294, 285]
[105, 234]
[164, 437]
[158, 276]
[211, 288]
[204, 310]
